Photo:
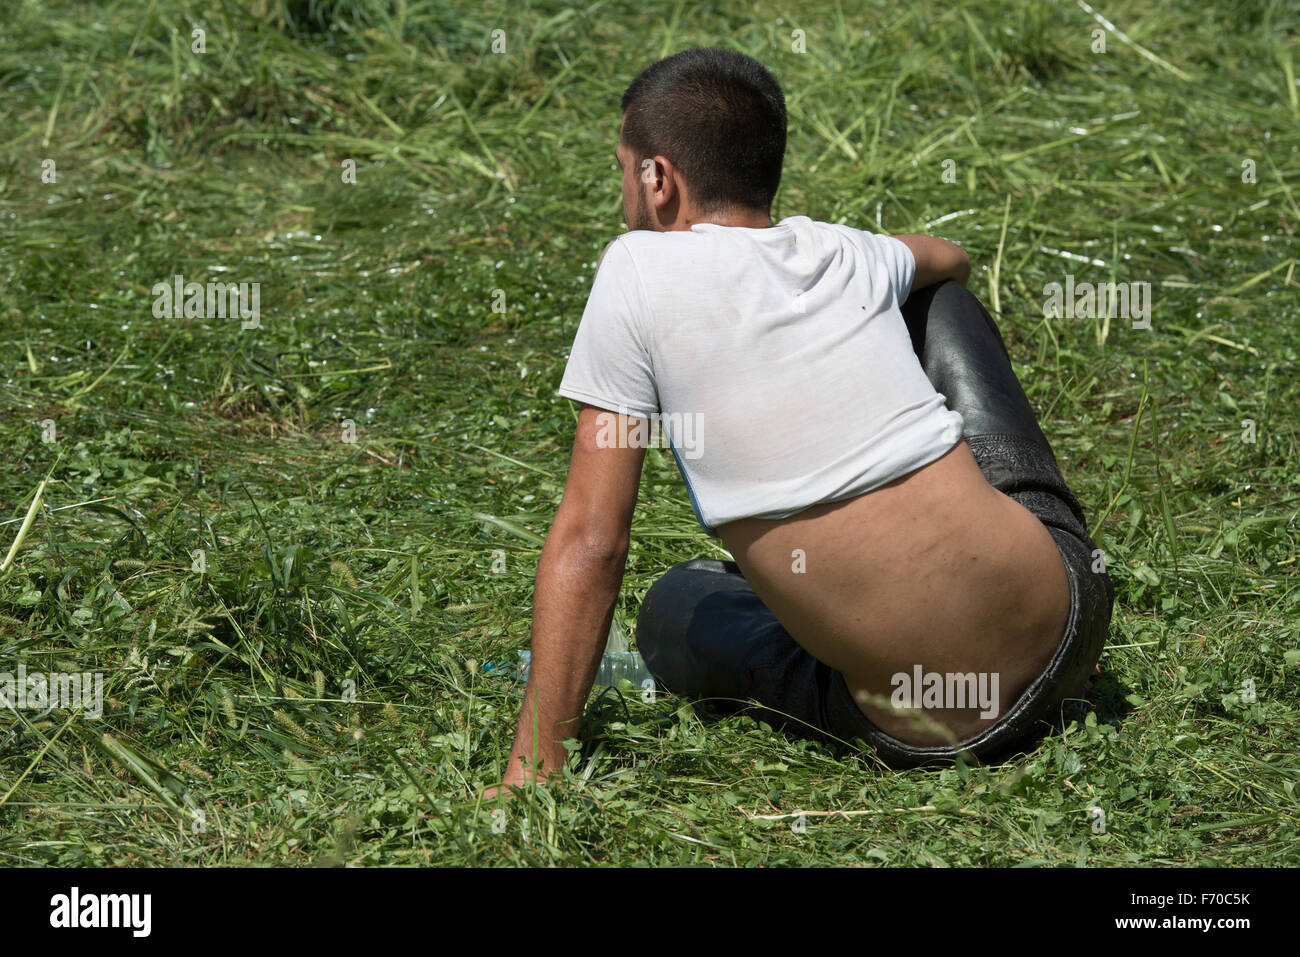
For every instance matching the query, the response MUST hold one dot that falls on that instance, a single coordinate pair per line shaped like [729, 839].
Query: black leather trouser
[704, 633]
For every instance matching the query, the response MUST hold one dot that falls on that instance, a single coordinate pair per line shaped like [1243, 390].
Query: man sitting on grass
[904, 544]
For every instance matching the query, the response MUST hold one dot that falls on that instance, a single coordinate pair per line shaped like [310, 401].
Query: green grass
[334, 566]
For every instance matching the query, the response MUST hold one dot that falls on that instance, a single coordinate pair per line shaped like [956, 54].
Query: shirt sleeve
[609, 365]
[898, 262]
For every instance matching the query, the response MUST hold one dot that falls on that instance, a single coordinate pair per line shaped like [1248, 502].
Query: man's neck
[745, 218]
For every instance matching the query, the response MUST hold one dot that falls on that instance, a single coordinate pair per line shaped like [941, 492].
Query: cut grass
[311, 687]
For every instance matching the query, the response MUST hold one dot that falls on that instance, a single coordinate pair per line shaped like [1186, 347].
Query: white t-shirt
[776, 361]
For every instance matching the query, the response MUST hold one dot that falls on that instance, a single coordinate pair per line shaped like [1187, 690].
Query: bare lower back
[937, 570]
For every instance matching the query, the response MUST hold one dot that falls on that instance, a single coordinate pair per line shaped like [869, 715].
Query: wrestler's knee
[948, 296]
[667, 607]
[687, 619]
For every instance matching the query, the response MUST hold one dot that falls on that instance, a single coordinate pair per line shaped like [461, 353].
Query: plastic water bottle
[614, 666]
[616, 663]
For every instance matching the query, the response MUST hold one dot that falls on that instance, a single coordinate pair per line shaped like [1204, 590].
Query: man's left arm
[578, 579]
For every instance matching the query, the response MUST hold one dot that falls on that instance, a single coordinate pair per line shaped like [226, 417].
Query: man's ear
[672, 182]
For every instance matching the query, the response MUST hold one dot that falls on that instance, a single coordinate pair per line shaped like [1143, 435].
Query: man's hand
[578, 578]
[516, 777]
[507, 786]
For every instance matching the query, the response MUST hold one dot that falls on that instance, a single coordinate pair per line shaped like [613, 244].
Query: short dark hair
[719, 116]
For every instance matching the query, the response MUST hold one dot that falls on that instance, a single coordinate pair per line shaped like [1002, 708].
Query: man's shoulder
[643, 244]
[688, 245]
[843, 229]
